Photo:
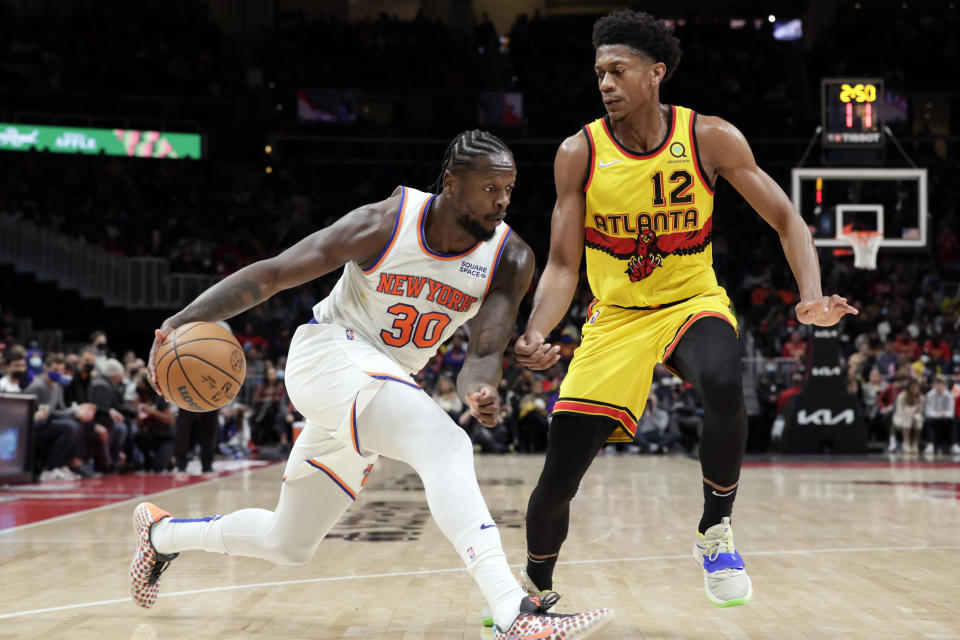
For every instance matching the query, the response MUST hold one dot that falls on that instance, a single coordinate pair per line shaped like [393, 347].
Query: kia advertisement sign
[823, 417]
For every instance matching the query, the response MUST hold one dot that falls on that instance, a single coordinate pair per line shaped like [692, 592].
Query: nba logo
[349, 334]
[470, 552]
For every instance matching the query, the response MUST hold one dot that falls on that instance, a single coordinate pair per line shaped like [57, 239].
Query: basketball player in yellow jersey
[636, 189]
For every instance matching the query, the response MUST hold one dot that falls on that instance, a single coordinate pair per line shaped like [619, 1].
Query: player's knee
[722, 391]
[555, 487]
[292, 554]
[448, 453]
[454, 445]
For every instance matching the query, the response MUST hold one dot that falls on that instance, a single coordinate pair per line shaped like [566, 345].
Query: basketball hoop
[865, 246]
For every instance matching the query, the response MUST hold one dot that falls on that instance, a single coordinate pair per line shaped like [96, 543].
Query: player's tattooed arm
[217, 304]
[491, 330]
[359, 236]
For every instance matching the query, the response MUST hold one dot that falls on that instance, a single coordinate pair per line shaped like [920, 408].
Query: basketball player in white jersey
[416, 267]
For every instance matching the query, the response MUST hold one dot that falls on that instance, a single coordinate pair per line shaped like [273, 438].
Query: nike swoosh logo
[607, 164]
[542, 635]
[723, 495]
[487, 526]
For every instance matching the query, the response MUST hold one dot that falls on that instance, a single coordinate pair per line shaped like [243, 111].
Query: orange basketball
[200, 366]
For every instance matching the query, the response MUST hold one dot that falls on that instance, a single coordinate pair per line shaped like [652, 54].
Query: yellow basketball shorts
[612, 368]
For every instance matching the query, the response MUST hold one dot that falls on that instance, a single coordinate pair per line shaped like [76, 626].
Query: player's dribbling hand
[825, 311]
[534, 353]
[485, 405]
[158, 337]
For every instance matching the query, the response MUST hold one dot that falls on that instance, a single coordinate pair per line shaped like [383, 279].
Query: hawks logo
[647, 251]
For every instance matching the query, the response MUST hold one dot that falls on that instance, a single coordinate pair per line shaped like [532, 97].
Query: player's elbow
[789, 225]
[269, 275]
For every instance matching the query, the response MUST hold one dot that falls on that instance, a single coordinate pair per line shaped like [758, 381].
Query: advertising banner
[133, 143]
[823, 417]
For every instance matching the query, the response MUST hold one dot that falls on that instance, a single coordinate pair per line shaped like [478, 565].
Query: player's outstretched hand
[159, 336]
[484, 405]
[825, 311]
[535, 353]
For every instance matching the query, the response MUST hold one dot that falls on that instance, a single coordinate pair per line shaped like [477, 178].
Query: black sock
[717, 505]
[541, 571]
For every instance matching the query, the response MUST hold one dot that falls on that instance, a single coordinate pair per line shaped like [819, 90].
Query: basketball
[200, 366]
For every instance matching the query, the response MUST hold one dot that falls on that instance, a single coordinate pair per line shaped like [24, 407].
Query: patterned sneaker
[725, 580]
[534, 623]
[527, 585]
[147, 564]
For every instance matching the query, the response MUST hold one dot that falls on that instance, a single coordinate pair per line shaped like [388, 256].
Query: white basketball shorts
[331, 375]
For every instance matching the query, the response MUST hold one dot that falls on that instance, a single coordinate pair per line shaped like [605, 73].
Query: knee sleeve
[574, 441]
[708, 357]
[406, 425]
[722, 390]
[291, 554]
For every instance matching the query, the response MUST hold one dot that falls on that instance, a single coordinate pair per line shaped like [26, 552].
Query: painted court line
[241, 473]
[372, 576]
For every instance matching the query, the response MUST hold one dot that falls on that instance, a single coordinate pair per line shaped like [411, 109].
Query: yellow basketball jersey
[648, 217]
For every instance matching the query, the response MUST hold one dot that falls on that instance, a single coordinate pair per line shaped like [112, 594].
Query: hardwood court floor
[843, 551]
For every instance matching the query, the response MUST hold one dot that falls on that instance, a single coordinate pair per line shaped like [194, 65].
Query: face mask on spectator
[279, 374]
[36, 362]
[102, 346]
[89, 367]
[19, 376]
[55, 376]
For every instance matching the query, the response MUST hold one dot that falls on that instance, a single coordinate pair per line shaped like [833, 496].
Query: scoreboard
[852, 114]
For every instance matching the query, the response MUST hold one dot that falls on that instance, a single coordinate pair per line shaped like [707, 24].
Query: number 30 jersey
[412, 299]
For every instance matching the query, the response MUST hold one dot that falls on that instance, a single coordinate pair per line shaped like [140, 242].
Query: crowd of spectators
[97, 414]
[901, 354]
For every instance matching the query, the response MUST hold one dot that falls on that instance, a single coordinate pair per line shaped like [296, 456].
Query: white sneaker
[58, 475]
[892, 445]
[955, 449]
[725, 579]
[67, 474]
[929, 450]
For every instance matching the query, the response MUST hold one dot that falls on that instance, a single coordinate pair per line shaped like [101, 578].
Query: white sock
[482, 552]
[173, 535]
[308, 508]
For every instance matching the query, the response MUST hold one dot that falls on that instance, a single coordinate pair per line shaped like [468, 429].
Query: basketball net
[865, 245]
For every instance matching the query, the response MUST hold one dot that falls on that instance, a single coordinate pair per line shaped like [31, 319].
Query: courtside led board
[134, 143]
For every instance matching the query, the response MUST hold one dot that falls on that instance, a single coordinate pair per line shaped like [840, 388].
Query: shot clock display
[852, 113]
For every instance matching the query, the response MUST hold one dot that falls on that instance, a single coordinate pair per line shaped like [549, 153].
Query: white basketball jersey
[412, 299]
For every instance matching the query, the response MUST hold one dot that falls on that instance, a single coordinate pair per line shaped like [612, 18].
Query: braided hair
[641, 32]
[464, 150]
